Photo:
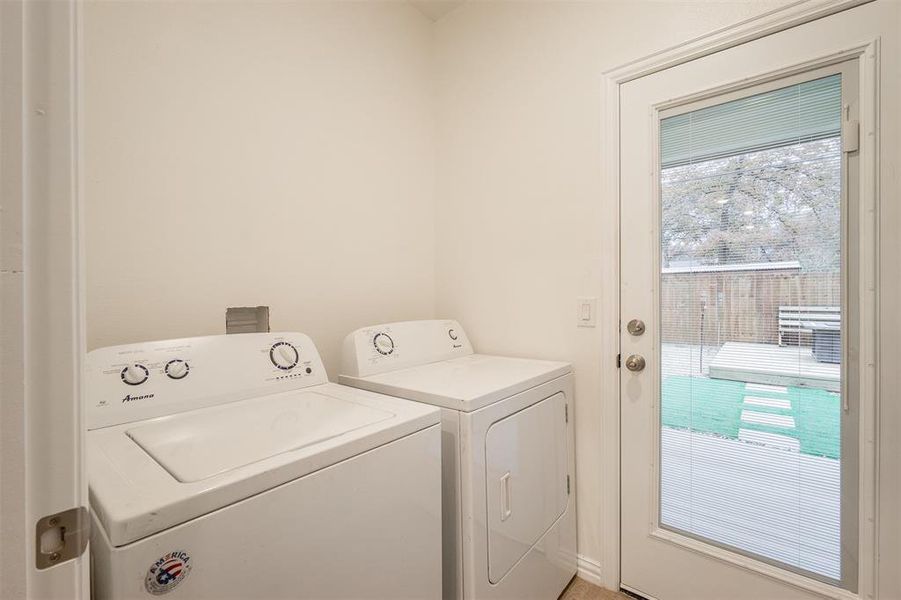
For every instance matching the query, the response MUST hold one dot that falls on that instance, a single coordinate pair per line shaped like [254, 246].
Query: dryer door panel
[525, 468]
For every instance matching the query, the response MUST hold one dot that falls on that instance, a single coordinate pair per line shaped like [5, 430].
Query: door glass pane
[750, 313]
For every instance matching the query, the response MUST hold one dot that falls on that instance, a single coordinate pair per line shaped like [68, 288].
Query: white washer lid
[199, 445]
[466, 383]
[137, 492]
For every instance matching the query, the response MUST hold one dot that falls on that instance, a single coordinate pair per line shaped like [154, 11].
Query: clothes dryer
[507, 445]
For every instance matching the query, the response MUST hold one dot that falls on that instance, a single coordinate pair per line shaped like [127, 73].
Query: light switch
[586, 311]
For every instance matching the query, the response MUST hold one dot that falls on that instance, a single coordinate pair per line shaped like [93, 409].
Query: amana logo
[167, 572]
[130, 398]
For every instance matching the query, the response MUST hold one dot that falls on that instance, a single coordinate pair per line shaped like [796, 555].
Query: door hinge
[566, 413]
[850, 132]
[567, 485]
[619, 361]
[61, 537]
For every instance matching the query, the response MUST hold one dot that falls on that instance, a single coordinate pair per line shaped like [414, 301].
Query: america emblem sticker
[167, 572]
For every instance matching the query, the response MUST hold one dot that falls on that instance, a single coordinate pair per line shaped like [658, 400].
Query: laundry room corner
[523, 231]
[245, 154]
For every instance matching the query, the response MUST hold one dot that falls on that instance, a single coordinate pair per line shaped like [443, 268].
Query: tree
[771, 205]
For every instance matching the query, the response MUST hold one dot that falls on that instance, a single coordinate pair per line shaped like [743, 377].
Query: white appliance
[507, 446]
[229, 467]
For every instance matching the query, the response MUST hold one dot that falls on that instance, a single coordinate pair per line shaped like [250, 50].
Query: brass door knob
[635, 363]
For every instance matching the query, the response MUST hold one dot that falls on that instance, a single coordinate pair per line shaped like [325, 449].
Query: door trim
[42, 277]
[774, 21]
[799, 13]
[14, 561]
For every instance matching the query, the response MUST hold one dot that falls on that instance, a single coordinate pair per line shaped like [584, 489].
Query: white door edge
[42, 308]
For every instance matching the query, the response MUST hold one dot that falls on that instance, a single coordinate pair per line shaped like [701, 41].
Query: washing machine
[229, 467]
[507, 447]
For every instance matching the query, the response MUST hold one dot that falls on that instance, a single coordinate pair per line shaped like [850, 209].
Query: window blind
[750, 325]
[804, 112]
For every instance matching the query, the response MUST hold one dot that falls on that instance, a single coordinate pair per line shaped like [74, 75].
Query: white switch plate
[586, 311]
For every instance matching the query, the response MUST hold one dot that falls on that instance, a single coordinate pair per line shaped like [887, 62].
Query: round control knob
[284, 356]
[135, 374]
[383, 343]
[452, 334]
[177, 369]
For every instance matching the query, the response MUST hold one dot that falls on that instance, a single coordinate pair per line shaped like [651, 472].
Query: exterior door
[745, 260]
[43, 490]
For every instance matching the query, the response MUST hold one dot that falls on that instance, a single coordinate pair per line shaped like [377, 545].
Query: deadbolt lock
[635, 363]
[635, 327]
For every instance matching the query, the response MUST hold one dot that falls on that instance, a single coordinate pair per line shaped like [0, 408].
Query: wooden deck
[774, 365]
[753, 496]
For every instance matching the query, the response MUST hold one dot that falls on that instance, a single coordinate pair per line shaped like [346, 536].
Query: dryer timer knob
[383, 343]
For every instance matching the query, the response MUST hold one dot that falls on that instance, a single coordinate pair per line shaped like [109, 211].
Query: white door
[43, 504]
[747, 253]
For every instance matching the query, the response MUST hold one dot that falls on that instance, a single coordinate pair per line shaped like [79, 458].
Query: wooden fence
[719, 307]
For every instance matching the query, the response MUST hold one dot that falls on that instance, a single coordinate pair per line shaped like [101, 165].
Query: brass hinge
[567, 485]
[566, 412]
[61, 537]
[619, 361]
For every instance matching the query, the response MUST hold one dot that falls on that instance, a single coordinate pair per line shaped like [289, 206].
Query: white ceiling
[435, 9]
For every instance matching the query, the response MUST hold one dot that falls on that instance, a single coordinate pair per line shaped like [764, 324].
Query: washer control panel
[392, 346]
[140, 381]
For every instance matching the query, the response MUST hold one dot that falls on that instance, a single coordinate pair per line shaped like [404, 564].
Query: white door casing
[42, 308]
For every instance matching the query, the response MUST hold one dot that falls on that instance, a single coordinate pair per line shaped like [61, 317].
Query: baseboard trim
[590, 570]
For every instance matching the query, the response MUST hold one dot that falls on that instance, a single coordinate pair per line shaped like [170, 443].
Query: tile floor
[580, 589]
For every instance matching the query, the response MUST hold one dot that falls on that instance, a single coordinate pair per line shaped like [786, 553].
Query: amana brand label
[167, 572]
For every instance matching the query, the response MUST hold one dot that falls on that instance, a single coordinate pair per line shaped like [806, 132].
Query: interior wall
[313, 156]
[520, 230]
[257, 153]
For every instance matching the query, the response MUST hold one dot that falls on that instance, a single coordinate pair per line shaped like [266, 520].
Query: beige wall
[257, 153]
[519, 160]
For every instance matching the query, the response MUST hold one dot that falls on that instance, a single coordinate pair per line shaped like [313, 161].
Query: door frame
[42, 291]
[798, 13]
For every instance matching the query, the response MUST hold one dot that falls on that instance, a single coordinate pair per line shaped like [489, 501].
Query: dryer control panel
[151, 379]
[392, 346]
